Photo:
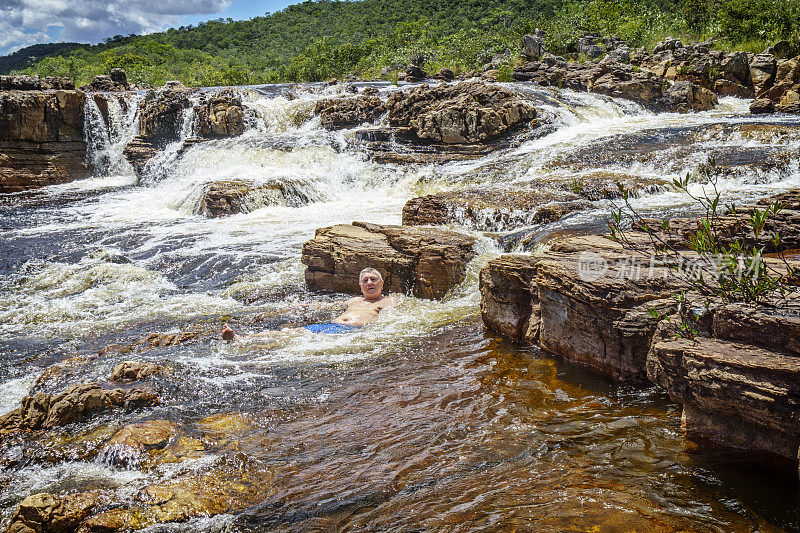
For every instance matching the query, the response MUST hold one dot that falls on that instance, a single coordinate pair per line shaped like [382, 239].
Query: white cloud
[26, 22]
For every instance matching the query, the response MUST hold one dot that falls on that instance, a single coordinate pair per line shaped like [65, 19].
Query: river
[422, 420]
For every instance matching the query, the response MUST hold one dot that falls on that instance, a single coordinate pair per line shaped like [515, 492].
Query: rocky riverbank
[613, 308]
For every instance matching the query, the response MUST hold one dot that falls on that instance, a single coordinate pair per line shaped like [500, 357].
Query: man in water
[360, 310]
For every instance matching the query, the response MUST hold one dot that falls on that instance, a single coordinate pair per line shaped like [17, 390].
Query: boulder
[492, 209]
[220, 115]
[736, 66]
[685, 96]
[468, 112]
[533, 46]
[235, 484]
[134, 371]
[761, 106]
[444, 75]
[425, 262]
[510, 297]
[336, 113]
[51, 513]
[734, 393]
[230, 197]
[161, 114]
[105, 83]
[41, 135]
[762, 71]
[44, 411]
[790, 102]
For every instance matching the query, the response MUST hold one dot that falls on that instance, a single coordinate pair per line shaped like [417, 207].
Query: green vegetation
[721, 265]
[320, 40]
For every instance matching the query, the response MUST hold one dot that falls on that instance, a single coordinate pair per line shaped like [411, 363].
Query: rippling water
[420, 421]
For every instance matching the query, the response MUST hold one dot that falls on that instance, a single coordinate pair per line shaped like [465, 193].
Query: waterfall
[107, 138]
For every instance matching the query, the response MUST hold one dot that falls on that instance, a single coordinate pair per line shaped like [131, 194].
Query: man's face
[371, 286]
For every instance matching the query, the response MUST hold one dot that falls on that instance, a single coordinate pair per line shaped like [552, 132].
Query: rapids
[421, 421]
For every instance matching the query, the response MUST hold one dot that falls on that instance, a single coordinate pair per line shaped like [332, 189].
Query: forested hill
[319, 40]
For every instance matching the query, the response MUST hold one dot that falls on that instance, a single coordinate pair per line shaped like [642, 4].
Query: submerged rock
[129, 443]
[44, 411]
[41, 134]
[426, 262]
[134, 371]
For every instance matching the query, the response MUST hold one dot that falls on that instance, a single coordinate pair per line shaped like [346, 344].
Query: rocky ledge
[41, 133]
[733, 366]
[162, 114]
[425, 262]
[452, 121]
[230, 197]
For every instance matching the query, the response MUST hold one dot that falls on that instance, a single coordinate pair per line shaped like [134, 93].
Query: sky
[27, 22]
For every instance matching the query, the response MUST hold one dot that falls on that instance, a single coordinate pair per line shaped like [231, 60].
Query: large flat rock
[735, 393]
[425, 262]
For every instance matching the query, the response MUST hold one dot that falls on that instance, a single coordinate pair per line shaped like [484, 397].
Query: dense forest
[320, 40]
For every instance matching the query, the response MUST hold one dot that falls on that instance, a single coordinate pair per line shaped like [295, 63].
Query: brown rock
[221, 115]
[161, 114]
[45, 411]
[45, 512]
[104, 83]
[770, 328]
[763, 68]
[685, 96]
[41, 138]
[587, 299]
[134, 371]
[129, 443]
[734, 393]
[424, 261]
[467, 112]
[492, 209]
[338, 113]
[761, 106]
[510, 297]
[224, 198]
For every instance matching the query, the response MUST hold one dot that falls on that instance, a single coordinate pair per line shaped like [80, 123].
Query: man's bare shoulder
[354, 300]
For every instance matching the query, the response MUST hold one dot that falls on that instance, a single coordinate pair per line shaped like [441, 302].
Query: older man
[360, 310]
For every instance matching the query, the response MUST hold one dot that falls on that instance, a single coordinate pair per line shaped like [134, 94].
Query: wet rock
[762, 105]
[685, 96]
[338, 113]
[734, 393]
[35, 83]
[234, 485]
[220, 115]
[45, 512]
[772, 329]
[468, 112]
[444, 75]
[725, 87]
[135, 371]
[161, 114]
[736, 67]
[586, 299]
[426, 262]
[225, 198]
[510, 297]
[492, 209]
[129, 443]
[787, 79]
[44, 411]
[41, 135]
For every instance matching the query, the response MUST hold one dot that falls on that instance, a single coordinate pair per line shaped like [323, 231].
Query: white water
[181, 266]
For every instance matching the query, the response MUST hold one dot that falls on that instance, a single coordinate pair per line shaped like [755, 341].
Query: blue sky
[27, 22]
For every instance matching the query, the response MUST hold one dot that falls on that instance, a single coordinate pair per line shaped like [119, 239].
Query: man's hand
[227, 333]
